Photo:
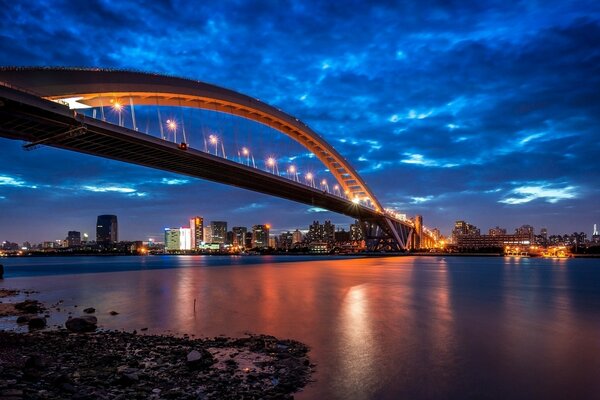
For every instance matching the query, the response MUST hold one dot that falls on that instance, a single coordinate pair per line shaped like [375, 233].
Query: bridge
[45, 106]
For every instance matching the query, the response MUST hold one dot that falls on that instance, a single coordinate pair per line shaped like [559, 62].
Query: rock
[113, 313]
[23, 319]
[89, 310]
[30, 306]
[36, 323]
[35, 361]
[199, 359]
[87, 323]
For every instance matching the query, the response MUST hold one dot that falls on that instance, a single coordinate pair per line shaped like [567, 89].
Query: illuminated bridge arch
[98, 87]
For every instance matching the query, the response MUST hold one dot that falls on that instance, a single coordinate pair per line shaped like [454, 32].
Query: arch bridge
[39, 105]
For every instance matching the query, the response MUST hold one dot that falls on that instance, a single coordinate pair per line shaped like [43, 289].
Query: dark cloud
[477, 110]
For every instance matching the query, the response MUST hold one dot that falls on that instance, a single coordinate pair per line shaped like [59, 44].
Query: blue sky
[487, 111]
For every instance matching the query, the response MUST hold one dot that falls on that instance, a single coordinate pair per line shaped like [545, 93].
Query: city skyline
[510, 134]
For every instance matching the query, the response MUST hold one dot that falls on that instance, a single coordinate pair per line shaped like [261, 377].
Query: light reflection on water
[389, 328]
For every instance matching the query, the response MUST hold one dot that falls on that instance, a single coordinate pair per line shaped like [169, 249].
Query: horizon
[484, 114]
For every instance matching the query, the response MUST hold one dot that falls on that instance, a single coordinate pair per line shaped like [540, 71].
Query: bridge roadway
[28, 117]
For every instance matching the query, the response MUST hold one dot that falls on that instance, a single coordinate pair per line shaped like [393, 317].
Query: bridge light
[213, 139]
[171, 124]
[356, 200]
[324, 182]
[309, 176]
[292, 169]
[117, 106]
[245, 151]
[270, 161]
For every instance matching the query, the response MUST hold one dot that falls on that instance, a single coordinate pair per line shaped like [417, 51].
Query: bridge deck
[24, 116]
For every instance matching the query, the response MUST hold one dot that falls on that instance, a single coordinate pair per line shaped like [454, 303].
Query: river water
[379, 328]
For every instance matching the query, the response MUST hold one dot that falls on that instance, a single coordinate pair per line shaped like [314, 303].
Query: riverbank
[58, 363]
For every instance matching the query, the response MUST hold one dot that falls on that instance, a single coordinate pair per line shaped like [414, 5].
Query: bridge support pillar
[383, 234]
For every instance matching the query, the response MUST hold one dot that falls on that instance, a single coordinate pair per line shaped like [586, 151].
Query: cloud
[529, 193]
[15, 182]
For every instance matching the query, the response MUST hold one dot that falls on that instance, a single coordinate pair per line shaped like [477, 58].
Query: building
[73, 239]
[320, 233]
[207, 234]
[286, 240]
[197, 227]
[297, 237]
[464, 228]
[219, 232]
[178, 239]
[497, 231]
[525, 230]
[356, 232]
[239, 236]
[342, 235]
[260, 236]
[107, 229]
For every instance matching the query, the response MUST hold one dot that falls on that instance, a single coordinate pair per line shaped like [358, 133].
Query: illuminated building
[178, 239]
[260, 236]
[320, 233]
[296, 237]
[218, 231]
[356, 233]
[497, 231]
[197, 227]
[239, 236]
[525, 230]
[107, 229]
[286, 240]
[207, 234]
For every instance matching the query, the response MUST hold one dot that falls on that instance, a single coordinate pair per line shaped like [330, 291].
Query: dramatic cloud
[479, 110]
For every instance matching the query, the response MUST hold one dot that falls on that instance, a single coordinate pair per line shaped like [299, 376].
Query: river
[378, 328]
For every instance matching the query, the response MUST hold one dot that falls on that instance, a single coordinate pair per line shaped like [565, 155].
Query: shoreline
[89, 363]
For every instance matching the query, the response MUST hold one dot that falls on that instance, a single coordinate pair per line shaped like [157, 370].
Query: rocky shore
[80, 362]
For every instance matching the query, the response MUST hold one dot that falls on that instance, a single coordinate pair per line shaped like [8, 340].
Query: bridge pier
[384, 234]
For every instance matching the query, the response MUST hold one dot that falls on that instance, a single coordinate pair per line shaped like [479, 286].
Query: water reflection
[384, 328]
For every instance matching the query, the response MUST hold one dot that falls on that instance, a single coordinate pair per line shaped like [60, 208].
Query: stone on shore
[36, 323]
[199, 359]
[86, 323]
[30, 306]
[89, 310]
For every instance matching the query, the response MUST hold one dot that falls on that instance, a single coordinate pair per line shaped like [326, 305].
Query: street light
[172, 126]
[118, 107]
[310, 178]
[213, 139]
[246, 153]
[293, 172]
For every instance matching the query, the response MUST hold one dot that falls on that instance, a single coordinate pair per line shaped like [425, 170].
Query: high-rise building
[208, 234]
[320, 233]
[73, 239]
[197, 227]
[296, 237]
[356, 233]
[286, 240]
[107, 229]
[260, 236]
[178, 239]
[219, 231]
[172, 238]
[239, 236]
